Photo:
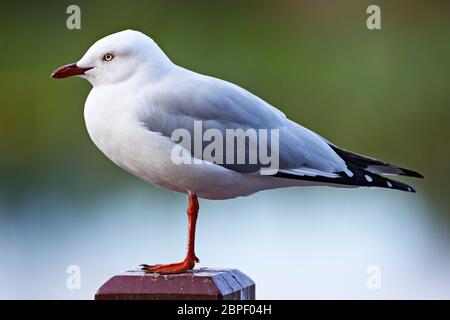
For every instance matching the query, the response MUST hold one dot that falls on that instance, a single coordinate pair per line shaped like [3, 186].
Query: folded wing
[187, 97]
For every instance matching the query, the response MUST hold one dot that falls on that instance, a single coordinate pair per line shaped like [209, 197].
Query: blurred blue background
[382, 93]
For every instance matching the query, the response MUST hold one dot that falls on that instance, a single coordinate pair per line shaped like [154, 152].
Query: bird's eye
[108, 57]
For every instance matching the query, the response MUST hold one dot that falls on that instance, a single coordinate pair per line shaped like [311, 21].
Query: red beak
[68, 70]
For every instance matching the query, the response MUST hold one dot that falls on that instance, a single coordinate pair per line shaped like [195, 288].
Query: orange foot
[179, 267]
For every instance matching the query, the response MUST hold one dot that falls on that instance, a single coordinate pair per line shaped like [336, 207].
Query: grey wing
[187, 99]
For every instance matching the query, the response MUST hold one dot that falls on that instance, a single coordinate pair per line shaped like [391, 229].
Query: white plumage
[140, 97]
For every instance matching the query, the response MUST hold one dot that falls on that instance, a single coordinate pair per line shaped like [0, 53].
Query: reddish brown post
[200, 284]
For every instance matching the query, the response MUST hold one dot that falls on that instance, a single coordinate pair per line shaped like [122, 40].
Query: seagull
[139, 98]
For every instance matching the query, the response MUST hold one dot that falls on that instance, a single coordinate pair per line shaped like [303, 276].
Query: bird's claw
[179, 267]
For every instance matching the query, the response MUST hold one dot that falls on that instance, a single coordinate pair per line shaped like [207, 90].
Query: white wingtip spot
[409, 189]
[389, 184]
[348, 173]
[368, 178]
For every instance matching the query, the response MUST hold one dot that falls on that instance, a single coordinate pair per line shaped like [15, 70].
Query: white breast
[103, 116]
[114, 127]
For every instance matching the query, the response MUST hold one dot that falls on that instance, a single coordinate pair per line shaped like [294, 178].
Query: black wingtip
[407, 188]
[394, 184]
[360, 178]
[366, 162]
[411, 173]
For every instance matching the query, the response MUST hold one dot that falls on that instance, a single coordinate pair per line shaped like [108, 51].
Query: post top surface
[204, 283]
[201, 272]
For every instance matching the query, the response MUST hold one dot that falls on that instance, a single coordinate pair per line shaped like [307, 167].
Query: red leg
[190, 259]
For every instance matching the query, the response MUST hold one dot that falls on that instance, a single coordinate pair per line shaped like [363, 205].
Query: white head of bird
[119, 57]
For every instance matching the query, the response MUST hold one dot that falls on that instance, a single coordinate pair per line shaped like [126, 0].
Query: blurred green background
[383, 93]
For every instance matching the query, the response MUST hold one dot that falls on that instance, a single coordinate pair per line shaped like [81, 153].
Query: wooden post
[200, 284]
